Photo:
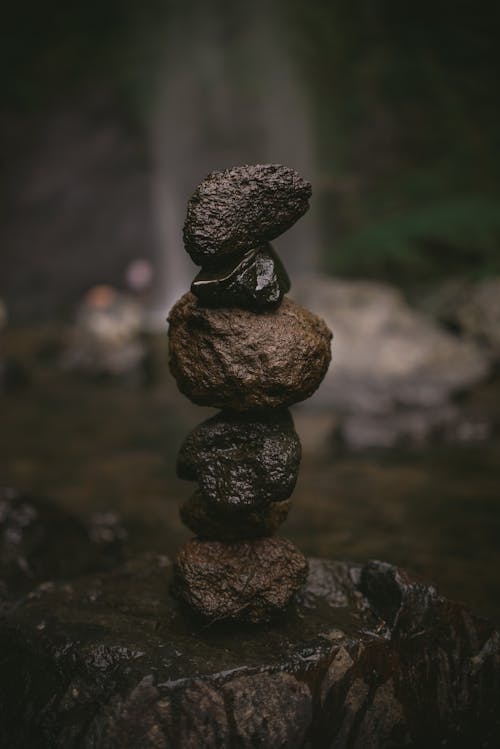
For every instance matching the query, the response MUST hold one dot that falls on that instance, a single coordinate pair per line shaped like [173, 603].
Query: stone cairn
[236, 343]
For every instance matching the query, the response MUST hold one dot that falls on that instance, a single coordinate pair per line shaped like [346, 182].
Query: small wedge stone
[257, 281]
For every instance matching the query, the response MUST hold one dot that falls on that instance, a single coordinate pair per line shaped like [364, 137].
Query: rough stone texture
[242, 461]
[232, 358]
[200, 517]
[233, 210]
[113, 662]
[39, 541]
[248, 581]
[256, 281]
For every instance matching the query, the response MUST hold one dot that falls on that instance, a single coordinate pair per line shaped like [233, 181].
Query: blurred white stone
[384, 352]
[394, 371]
[471, 308]
[105, 339]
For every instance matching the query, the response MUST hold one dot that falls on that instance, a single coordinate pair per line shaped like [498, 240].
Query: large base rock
[368, 658]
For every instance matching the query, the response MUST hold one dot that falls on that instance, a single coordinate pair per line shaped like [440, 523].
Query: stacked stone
[237, 344]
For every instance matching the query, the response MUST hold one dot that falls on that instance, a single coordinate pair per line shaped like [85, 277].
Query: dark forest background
[403, 100]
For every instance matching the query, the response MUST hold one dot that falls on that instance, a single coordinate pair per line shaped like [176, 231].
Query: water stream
[229, 95]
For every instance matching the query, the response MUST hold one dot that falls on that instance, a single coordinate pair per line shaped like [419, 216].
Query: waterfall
[228, 95]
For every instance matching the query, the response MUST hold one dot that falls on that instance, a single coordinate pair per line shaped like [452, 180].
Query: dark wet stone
[113, 661]
[256, 281]
[284, 696]
[40, 541]
[201, 517]
[232, 358]
[234, 210]
[247, 581]
[242, 461]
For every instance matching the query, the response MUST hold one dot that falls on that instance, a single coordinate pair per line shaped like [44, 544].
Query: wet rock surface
[39, 541]
[233, 210]
[238, 360]
[368, 657]
[246, 581]
[242, 461]
[201, 517]
[256, 281]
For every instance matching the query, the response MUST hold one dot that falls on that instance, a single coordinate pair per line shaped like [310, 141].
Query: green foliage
[407, 114]
[460, 235]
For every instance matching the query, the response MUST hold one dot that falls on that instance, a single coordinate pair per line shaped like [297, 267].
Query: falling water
[229, 95]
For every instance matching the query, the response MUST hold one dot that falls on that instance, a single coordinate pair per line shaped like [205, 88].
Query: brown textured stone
[233, 358]
[199, 516]
[250, 581]
[233, 210]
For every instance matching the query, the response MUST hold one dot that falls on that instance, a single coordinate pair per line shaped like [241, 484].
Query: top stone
[234, 210]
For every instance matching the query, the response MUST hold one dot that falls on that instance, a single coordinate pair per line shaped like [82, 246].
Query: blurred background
[111, 113]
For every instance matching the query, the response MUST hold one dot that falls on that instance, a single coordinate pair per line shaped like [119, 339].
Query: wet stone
[112, 660]
[40, 541]
[246, 581]
[201, 517]
[242, 461]
[256, 281]
[232, 358]
[236, 209]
